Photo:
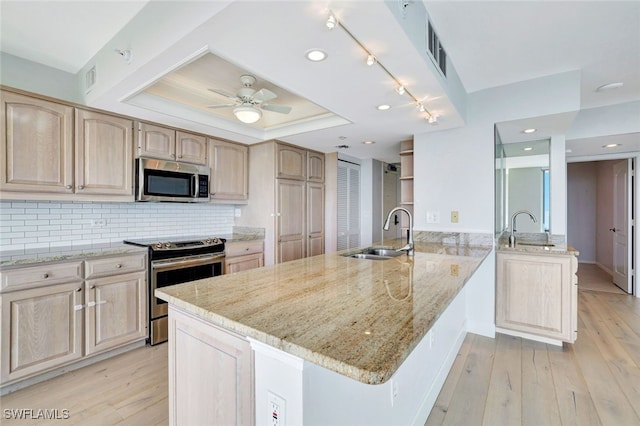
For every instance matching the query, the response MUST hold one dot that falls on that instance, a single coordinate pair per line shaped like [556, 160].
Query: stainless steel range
[173, 262]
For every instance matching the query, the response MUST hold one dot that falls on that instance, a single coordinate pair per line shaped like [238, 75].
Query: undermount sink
[375, 253]
[535, 243]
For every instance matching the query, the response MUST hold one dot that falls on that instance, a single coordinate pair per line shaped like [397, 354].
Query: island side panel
[210, 373]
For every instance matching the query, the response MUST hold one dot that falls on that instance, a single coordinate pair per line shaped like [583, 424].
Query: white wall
[581, 209]
[38, 224]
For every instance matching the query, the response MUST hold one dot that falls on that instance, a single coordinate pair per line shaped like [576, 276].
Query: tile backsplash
[38, 224]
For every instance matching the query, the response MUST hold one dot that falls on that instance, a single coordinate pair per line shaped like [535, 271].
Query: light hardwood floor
[506, 381]
[514, 381]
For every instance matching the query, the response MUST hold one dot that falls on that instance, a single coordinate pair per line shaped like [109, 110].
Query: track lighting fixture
[433, 119]
[420, 107]
[331, 21]
[400, 89]
[371, 60]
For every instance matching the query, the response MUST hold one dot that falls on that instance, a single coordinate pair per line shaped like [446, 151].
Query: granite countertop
[360, 318]
[21, 258]
[537, 243]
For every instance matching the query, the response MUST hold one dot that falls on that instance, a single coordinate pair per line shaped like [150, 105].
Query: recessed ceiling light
[529, 148]
[530, 130]
[383, 107]
[610, 86]
[368, 142]
[316, 55]
[611, 145]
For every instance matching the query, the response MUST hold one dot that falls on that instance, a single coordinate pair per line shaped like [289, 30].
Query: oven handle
[160, 265]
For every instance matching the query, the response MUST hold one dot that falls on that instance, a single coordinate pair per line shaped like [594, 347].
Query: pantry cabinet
[57, 313]
[170, 144]
[287, 199]
[229, 164]
[536, 296]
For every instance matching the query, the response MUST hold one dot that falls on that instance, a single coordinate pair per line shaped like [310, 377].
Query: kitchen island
[368, 341]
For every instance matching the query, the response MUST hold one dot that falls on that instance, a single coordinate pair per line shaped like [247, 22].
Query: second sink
[375, 253]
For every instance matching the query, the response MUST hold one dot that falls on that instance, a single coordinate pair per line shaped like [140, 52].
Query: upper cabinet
[103, 154]
[48, 158]
[37, 140]
[290, 162]
[168, 144]
[229, 171]
[315, 167]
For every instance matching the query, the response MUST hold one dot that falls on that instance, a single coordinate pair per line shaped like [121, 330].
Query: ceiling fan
[248, 102]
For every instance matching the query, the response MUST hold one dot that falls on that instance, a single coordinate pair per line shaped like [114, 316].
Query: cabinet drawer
[41, 275]
[240, 248]
[115, 265]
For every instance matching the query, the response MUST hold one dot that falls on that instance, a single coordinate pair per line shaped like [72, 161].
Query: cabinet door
[104, 149]
[534, 295]
[243, 263]
[315, 218]
[290, 220]
[41, 329]
[210, 374]
[229, 171]
[115, 311]
[290, 162]
[37, 142]
[156, 141]
[315, 167]
[191, 148]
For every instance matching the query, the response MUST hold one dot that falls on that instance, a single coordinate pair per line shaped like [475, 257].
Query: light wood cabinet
[536, 296]
[215, 362]
[37, 139]
[290, 219]
[104, 154]
[170, 144]
[315, 167]
[406, 181]
[54, 314]
[229, 164]
[243, 255]
[315, 218]
[41, 327]
[290, 162]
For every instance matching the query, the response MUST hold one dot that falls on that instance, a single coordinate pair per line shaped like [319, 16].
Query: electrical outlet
[276, 409]
[433, 216]
[454, 216]
[237, 212]
[98, 223]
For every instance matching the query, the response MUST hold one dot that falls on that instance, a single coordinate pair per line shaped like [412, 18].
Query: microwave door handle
[195, 185]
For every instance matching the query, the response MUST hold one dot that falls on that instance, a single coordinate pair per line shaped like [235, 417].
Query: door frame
[635, 203]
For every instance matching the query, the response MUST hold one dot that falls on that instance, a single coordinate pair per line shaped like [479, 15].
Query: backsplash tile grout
[29, 225]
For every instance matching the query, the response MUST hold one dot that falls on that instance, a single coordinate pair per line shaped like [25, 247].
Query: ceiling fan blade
[225, 94]
[263, 95]
[221, 106]
[282, 109]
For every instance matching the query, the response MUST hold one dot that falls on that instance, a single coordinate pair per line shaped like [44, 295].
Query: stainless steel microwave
[161, 180]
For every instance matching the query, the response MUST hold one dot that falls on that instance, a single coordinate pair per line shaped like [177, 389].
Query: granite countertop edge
[479, 253]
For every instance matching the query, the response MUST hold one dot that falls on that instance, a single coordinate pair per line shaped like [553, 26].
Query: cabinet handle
[45, 276]
[68, 186]
[81, 187]
[180, 156]
[246, 249]
[79, 289]
[118, 266]
[92, 287]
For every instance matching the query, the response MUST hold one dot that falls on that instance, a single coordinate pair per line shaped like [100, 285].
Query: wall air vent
[90, 79]
[438, 54]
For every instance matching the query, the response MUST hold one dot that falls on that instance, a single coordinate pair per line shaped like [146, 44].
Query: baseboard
[604, 268]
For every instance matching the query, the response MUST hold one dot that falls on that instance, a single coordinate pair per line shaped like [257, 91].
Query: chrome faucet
[512, 236]
[409, 246]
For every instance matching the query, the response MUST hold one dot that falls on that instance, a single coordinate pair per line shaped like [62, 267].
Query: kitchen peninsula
[305, 341]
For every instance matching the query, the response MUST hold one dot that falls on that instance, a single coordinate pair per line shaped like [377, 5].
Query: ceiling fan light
[247, 114]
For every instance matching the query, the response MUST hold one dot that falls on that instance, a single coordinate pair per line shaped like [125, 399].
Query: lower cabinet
[57, 313]
[210, 374]
[243, 255]
[536, 296]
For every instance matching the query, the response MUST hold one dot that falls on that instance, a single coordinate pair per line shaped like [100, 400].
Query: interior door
[621, 225]
[389, 201]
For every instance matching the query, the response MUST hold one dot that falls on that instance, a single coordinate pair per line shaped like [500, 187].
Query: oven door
[169, 272]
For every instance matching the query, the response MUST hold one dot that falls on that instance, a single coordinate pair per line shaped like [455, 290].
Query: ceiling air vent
[438, 54]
